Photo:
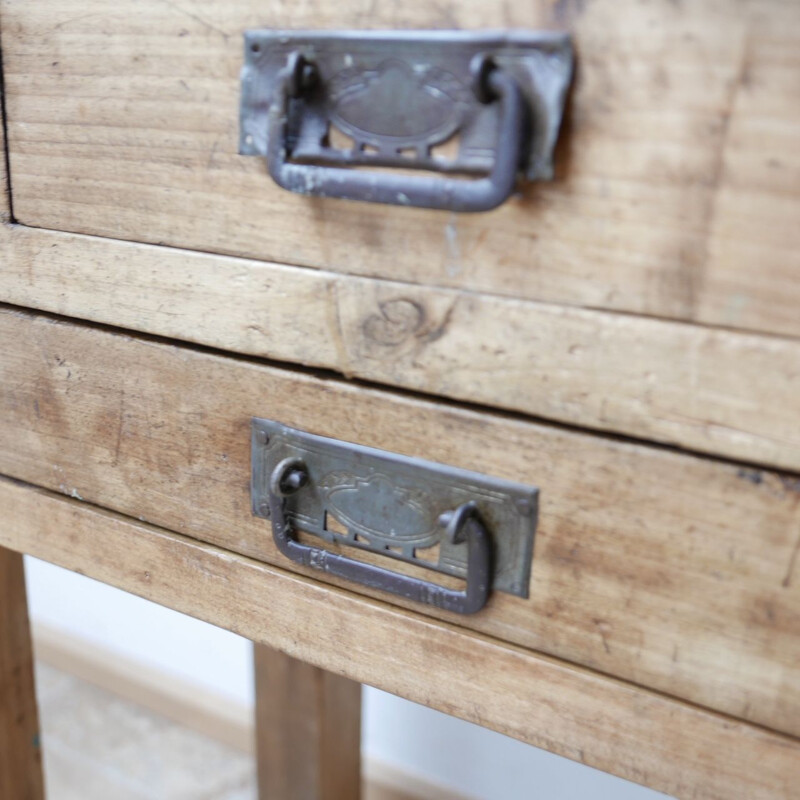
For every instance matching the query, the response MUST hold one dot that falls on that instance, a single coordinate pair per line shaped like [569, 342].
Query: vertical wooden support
[20, 752]
[308, 730]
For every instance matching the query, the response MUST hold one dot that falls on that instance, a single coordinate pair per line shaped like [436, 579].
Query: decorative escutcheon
[442, 519]
[498, 98]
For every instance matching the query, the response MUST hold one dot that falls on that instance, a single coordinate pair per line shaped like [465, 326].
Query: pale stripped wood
[671, 571]
[308, 730]
[715, 391]
[20, 750]
[678, 188]
[643, 736]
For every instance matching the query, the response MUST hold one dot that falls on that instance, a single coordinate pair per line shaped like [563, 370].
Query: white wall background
[455, 754]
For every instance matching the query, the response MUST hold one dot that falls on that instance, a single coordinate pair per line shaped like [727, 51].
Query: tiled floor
[100, 747]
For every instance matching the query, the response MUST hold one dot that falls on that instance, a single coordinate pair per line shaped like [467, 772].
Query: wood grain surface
[308, 730]
[640, 735]
[20, 750]
[672, 571]
[678, 179]
[716, 391]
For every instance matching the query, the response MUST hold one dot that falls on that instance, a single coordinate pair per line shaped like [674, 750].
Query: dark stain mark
[755, 476]
[403, 321]
[398, 320]
[566, 11]
[440, 329]
[790, 484]
[553, 608]
[787, 581]
[764, 609]
[603, 628]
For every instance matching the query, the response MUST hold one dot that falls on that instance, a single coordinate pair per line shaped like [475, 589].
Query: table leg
[20, 752]
[308, 730]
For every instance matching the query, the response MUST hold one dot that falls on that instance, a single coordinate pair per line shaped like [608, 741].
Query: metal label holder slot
[398, 96]
[444, 519]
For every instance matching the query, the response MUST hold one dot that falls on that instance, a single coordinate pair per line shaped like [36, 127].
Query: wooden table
[625, 338]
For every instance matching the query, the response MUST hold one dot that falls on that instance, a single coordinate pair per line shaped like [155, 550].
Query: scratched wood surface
[671, 571]
[678, 189]
[20, 750]
[716, 391]
[640, 735]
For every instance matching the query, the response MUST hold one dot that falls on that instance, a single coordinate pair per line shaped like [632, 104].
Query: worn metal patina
[399, 95]
[444, 519]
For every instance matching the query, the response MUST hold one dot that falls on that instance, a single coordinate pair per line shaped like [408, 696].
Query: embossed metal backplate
[398, 94]
[391, 504]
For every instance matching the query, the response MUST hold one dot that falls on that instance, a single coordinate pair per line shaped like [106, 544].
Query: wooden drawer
[644, 736]
[668, 570]
[676, 187]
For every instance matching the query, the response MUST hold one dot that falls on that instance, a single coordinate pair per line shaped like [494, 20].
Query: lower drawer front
[644, 736]
[671, 571]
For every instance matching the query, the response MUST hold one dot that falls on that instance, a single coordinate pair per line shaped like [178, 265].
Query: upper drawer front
[678, 175]
[672, 571]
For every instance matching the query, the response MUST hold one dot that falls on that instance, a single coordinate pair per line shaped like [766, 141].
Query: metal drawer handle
[491, 84]
[493, 102]
[462, 524]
